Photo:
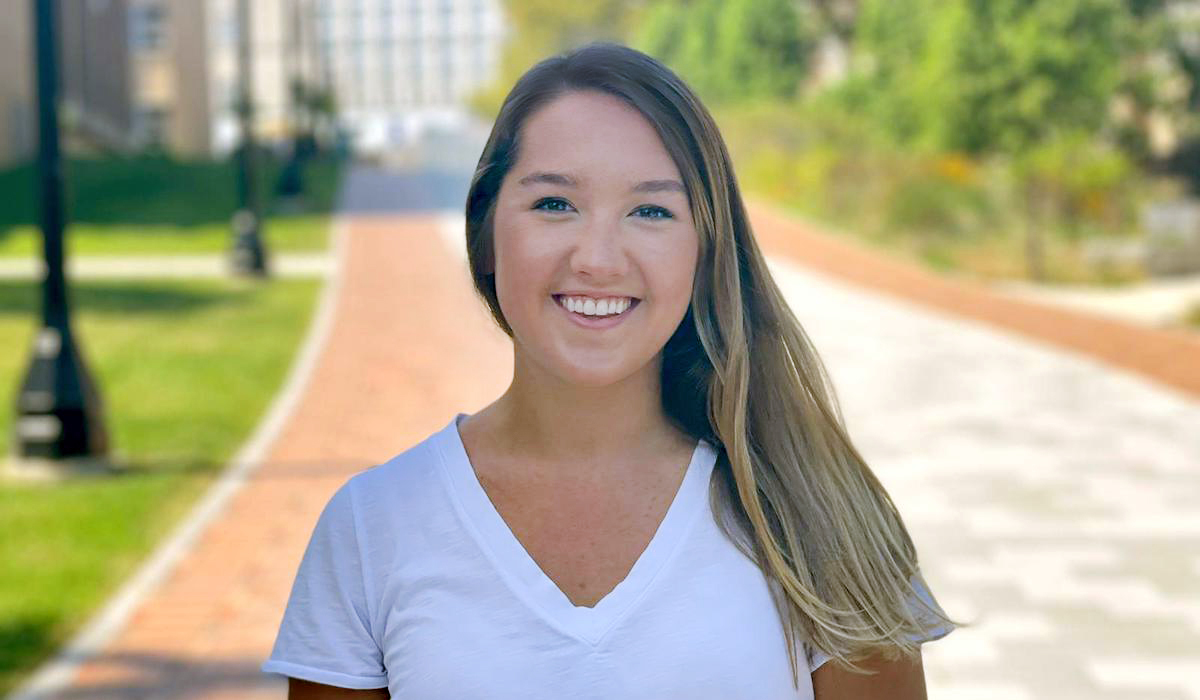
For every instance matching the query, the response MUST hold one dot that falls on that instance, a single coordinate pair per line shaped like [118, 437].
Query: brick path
[380, 387]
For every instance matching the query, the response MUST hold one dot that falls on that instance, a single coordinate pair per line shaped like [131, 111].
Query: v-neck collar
[526, 578]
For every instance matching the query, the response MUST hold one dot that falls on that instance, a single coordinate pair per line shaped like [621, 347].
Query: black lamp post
[59, 412]
[249, 256]
[291, 180]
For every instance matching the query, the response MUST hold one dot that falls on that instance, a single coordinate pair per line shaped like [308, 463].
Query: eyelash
[666, 214]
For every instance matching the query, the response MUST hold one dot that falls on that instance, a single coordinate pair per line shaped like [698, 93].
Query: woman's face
[593, 217]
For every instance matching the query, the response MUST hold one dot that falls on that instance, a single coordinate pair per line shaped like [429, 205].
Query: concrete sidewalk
[150, 266]
[1160, 302]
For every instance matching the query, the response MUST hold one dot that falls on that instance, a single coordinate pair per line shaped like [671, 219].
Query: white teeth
[593, 307]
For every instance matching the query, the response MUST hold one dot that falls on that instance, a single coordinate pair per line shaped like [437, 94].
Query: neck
[554, 422]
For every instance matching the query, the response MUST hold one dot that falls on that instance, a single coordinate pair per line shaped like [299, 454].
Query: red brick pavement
[411, 346]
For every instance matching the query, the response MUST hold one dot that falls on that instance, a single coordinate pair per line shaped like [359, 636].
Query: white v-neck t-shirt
[412, 581]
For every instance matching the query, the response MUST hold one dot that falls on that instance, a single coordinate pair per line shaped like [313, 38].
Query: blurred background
[1014, 167]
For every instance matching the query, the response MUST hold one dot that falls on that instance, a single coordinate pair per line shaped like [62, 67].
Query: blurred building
[94, 58]
[94, 70]
[397, 66]
[167, 52]
[185, 62]
[391, 66]
[165, 73]
[18, 111]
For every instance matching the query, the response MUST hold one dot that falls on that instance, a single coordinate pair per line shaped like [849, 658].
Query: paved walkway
[1160, 302]
[1163, 355]
[1052, 497]
[145, 266]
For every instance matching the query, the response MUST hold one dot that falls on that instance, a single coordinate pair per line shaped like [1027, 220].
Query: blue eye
[551, 204]
[653, 212]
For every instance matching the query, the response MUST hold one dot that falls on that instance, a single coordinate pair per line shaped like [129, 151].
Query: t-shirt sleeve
[326, 634]
[936, 629]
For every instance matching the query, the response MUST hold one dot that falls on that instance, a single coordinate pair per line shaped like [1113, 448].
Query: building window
[386, 15]
[228, 28]
[150, 123]
[147, 26]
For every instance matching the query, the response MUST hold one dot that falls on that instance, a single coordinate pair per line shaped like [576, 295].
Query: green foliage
[948, 209]
[156, 204]
[542, 28]
[153, 189]
[937, 197]
[730, 50]
[692, 34]
[989, 76]
[963, 126]
[1085, 184]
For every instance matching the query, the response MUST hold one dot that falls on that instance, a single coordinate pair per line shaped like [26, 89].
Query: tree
[542, 28]
[838, 17]
[732, 50]
[1016, 78]
[991, 75]
[761, 49]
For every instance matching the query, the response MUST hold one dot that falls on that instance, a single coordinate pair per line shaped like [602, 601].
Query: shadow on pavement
[165, 676]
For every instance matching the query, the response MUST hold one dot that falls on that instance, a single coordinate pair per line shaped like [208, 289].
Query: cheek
[523, 264]
[679, 277]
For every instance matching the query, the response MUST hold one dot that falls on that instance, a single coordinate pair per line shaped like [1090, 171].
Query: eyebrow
[568, 181]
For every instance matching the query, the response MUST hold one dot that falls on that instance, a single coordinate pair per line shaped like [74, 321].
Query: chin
[593, 380]
[594, 377]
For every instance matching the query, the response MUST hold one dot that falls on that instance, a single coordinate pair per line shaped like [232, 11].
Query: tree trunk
[1035, 257]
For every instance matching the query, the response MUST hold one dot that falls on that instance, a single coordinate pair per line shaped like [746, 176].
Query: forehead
[593, 134]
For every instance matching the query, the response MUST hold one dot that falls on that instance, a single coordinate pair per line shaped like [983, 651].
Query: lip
[594, 295]
[600, 322]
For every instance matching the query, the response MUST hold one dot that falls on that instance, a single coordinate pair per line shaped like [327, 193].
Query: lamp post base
[248, 257]
[36, 469]
[59, 414]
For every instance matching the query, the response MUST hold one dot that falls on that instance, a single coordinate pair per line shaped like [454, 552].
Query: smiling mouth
[578, 311]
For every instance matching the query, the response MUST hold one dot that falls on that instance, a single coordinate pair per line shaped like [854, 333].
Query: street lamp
[249, 256]
[59, 412]
[291, 180]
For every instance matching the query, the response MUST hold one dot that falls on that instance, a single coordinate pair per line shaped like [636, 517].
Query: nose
[599, 251]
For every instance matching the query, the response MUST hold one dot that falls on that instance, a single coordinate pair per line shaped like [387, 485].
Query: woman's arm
[902, 679]
[307, 690]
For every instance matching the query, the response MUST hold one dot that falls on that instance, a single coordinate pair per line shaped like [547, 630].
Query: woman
[664, 503]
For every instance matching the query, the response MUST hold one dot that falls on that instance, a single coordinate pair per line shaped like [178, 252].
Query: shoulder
[406, 475]
[384, 504]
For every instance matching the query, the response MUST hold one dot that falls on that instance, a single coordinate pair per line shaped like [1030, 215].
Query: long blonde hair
[791, 490]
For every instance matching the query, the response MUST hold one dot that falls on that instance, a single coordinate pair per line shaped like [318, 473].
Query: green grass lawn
[155, 204]
[186, 369]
